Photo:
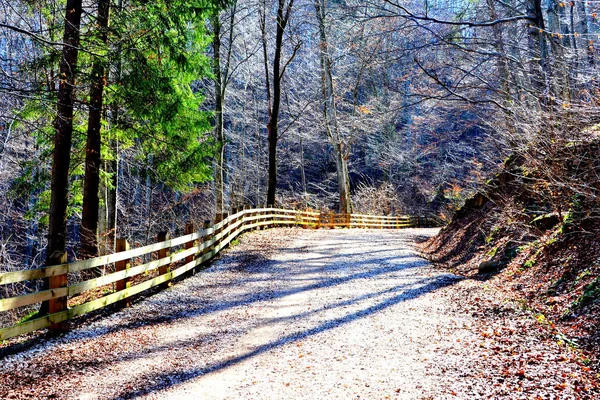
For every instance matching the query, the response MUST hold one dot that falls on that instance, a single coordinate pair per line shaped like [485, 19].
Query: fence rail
[174, 258]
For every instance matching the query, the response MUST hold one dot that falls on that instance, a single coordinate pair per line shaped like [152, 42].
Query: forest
[126, 118]
[140, 138]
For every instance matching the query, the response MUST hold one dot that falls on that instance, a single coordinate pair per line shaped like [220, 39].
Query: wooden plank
[45, 272]
[257, 217]
[19, 276]
[32, 298]
[28, 274]
[93, 305]
[20, 301]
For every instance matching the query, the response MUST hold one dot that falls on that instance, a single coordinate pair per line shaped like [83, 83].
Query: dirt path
[307, 314]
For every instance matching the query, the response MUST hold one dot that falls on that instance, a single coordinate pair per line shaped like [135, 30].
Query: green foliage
[591, 293]
[160, 113]
[492, 234]
[30, 316]
[160, 50]
[493, 252]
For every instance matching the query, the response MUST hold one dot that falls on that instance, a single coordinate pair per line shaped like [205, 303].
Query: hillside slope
[534, 233]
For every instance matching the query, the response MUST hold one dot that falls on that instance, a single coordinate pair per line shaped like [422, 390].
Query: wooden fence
[173, 258]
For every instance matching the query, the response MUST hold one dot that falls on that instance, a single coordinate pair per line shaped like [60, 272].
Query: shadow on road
[165, 380]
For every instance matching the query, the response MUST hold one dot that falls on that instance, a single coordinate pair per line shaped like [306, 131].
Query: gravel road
[284, 314]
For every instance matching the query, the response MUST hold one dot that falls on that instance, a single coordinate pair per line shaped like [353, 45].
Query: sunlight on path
[332, 314]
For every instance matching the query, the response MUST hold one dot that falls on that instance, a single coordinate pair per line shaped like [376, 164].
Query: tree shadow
[161, 381]
[374, 265]
[191, 307]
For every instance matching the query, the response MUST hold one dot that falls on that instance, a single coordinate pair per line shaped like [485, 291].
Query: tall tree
[91, 201]
[284, 10]
[61, 156]
[330, 113]
[221, 75]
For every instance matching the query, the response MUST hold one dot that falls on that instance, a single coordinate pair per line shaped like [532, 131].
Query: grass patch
[31, 315]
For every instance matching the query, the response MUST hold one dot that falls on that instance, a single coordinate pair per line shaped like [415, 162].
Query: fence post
[122, 245]
[250, 215]
[331, 220]
[259, 215]
[60, 303]
[161, 237]
[206, 238]
[189, 229]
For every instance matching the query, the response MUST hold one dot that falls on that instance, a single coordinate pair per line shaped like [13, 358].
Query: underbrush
[533, 232]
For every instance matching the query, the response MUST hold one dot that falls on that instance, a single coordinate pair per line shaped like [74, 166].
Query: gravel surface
[292, 313]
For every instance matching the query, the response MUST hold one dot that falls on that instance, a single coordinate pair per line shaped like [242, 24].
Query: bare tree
[330, 113]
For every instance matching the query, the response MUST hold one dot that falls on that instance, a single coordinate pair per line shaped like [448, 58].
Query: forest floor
[292, 313]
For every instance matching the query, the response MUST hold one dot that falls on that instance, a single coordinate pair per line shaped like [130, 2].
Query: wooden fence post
[59, 304]
[225, 216]
[122, 245]
[248, 217]
[219, 218]
[162, 236]
[331, 220]
[204, 240]
[189, 229]
[258, 215]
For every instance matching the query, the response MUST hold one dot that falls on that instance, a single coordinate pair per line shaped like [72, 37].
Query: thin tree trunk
[330, 114]
[61, 157]
[557, 23]
[91, 201]
[583, 27]
[114, 166]
[538, 60]
[219, 133]
[283, 14]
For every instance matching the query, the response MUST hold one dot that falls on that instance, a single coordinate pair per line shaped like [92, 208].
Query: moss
[591, 293]
[492, 253]
[29, 316]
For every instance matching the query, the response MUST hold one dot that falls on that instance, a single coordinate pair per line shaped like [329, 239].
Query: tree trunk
[61, 157]
[89, 217]
[330, 114]
[583, 27]
[538, 60]
[219, 100]
[557, 24]
[283, 14]
[272, 136]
